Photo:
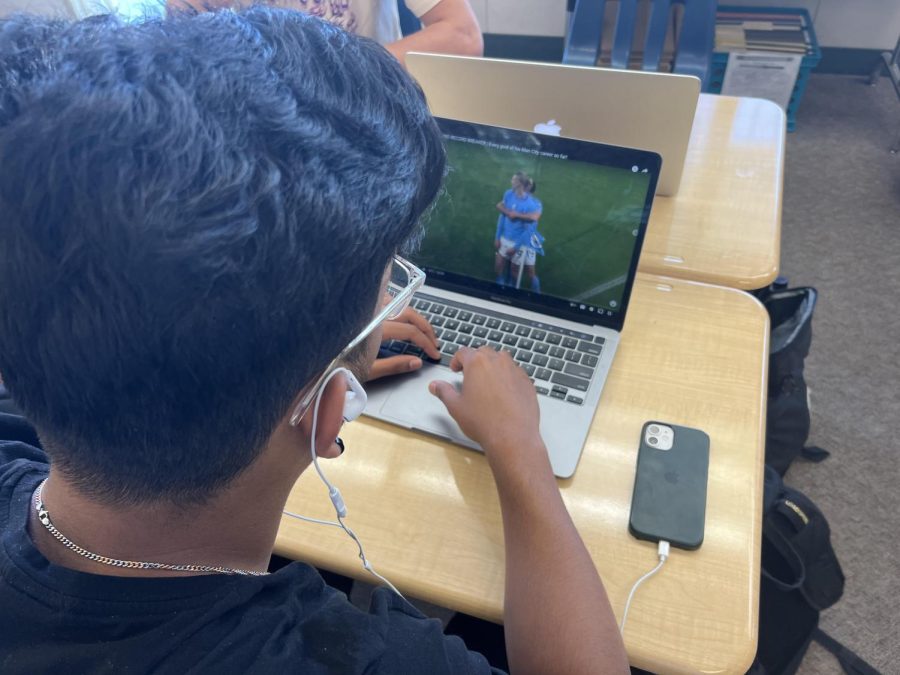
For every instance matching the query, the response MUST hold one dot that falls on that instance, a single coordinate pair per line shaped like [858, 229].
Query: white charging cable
[335, 495]
[663, 553]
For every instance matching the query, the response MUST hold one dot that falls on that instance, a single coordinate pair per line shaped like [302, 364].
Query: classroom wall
[521, 17]
[861, 24]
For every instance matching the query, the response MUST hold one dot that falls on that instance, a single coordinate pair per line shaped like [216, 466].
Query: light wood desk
[428, 515]
[724, 225]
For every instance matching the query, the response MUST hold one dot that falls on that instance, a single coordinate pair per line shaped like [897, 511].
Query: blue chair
[409, 22]
[693, 51]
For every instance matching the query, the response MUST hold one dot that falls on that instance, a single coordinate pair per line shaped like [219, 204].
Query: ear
[330, 417]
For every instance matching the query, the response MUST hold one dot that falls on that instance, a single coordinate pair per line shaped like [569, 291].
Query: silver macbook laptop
[532, 248]
[653, 111]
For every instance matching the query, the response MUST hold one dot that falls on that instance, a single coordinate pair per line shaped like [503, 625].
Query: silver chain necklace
[44, 516]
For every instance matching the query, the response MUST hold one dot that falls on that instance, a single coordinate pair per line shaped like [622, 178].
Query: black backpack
[787, 418]
[801, 576]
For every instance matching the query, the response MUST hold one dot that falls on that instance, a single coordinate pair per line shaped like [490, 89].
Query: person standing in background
[448, 26]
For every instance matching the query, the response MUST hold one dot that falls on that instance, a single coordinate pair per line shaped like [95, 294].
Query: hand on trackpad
[417, 409]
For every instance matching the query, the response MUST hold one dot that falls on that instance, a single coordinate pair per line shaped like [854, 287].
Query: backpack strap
[784, 546]
[850, 661]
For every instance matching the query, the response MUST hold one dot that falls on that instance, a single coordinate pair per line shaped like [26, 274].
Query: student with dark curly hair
[201, 221]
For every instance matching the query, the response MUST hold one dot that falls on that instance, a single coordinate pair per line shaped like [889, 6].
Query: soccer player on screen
[517, 240]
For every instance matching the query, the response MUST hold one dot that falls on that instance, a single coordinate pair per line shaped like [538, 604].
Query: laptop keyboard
[560, 361]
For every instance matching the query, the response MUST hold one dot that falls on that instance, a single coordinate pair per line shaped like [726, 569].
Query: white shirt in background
[376, 19]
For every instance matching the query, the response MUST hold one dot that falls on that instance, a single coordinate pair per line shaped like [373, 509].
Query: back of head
[196, 216]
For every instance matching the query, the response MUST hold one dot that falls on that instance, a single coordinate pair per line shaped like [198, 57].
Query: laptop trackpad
[410, 404]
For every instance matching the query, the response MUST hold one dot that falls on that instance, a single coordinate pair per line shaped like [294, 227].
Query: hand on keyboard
[496, 407]
[410, 327]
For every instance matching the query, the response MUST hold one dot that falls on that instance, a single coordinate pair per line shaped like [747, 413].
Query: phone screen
[669, 498]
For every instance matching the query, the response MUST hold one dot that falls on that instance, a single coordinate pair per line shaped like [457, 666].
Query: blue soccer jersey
[518, 230]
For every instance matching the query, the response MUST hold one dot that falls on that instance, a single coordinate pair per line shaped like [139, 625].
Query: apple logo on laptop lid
[548, 128]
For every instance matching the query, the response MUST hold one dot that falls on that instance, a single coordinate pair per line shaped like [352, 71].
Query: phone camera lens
[652, 440]
[653, 429]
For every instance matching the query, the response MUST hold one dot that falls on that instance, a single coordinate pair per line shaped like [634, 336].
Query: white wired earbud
[354, 404]
[356, 398]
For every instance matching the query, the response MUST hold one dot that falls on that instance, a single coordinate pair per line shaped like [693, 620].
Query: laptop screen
[539, 222]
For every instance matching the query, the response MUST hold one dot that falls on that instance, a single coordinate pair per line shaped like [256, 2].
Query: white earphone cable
[335, 495]
[311, 520]
[362, 556]
[315, 424]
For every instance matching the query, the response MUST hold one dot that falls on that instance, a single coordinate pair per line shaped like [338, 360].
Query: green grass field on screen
[590, 218]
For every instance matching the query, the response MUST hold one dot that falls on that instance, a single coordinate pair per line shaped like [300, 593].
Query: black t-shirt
[290, 621]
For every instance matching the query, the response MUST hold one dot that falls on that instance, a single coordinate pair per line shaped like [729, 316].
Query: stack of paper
[745, 31]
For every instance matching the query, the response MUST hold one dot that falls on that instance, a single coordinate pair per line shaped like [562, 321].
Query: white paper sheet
[770, 75]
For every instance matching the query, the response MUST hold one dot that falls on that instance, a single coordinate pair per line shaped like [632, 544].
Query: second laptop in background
[651, 111]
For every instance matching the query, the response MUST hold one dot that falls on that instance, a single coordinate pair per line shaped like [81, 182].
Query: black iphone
[669, 499]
